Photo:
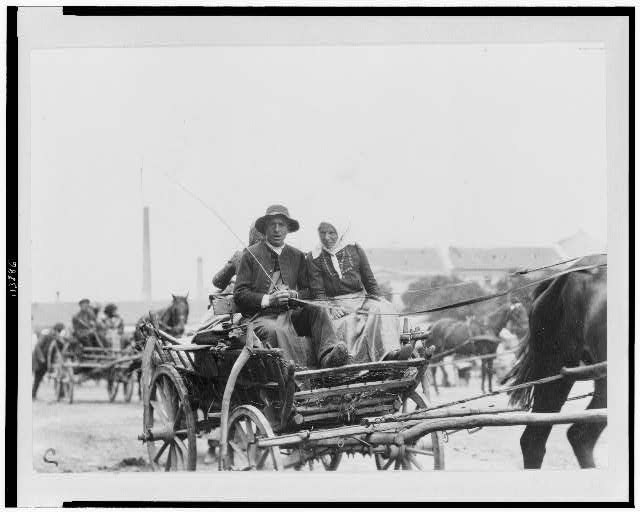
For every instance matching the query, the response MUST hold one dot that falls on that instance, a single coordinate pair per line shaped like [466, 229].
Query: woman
[113, 326]
[340, 274]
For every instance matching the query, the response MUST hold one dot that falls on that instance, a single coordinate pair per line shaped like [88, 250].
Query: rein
[466, 302]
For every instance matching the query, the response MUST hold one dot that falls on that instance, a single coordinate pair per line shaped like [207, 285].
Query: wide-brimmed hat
[84, 301]
[273, 211]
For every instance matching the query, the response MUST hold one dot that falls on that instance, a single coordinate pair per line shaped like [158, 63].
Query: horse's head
[179, 310]
[475, 324]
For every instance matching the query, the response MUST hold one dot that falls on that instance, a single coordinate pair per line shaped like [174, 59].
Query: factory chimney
[146, 256]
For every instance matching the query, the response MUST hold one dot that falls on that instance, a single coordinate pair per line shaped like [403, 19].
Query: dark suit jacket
[252, 283]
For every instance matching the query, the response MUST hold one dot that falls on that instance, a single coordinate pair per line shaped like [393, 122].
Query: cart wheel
[149, 364]
[331, 461]
[112, 388]
[246, 423]
[128, 386]
[170, 420]
[417, 454]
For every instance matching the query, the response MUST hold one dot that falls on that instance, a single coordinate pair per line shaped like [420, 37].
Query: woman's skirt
[370, 332]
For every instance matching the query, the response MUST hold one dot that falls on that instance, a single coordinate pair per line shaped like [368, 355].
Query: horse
[567, 325]
[171, 319]
[471, 338]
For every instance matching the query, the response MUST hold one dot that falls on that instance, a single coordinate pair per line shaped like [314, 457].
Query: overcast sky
[413, 145]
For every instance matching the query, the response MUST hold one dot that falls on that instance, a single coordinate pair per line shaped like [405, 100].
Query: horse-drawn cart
[263, 412]
[70, 363]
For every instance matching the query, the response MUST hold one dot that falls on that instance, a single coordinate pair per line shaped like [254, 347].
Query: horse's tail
[522, 371]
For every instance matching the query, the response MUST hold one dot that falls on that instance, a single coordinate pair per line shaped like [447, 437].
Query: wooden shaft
[502, 420]
[388, 433]
[590, 372]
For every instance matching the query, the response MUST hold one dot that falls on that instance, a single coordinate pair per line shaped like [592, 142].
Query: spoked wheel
[169, 423]
[246, 425]
[129, 385]
[150, 361]
[423, 454]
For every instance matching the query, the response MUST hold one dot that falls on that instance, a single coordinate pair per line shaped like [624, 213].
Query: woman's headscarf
[339, 245]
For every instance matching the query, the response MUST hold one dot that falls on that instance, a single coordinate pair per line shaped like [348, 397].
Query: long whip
[224, 223]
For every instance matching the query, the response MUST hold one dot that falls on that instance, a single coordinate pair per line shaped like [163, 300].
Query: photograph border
[12, 234]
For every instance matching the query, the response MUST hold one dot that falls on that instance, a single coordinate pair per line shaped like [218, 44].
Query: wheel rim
[246, 425]
[168, 414]
[423, 454]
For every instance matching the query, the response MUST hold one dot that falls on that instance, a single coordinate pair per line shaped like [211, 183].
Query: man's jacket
[252, 282]
[84, 322]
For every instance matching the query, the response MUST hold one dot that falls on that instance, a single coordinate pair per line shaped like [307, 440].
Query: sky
[407, 145]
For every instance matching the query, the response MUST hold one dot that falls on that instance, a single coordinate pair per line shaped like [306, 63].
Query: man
[39, 356]
[222, 280]
[268, 282]
[85, 325]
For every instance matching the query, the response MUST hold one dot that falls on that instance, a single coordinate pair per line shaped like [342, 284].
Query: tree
[441, 290]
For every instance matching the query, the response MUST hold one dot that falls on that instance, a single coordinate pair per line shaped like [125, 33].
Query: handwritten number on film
[12, 282]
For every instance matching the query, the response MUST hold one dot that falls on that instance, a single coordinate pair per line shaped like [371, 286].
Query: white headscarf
[340, 244]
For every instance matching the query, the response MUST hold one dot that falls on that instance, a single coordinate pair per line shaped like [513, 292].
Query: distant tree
[440, 290]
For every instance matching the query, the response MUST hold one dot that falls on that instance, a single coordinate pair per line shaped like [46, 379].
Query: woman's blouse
[356, 273]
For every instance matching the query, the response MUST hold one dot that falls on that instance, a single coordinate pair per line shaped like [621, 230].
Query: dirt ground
[94, 435]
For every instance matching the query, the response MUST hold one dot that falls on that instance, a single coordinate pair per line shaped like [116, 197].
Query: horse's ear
[173, 296]
[186, 296]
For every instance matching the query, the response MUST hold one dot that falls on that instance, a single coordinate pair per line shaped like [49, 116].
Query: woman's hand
[336, 313]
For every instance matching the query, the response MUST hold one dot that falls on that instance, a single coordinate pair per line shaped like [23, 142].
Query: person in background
[222, 280]
[340, 274]
[112, 326]
[40, 352]
[85, 325]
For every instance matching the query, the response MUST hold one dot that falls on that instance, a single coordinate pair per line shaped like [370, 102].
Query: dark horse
[171, 319]
[471, 338]
[567, 325]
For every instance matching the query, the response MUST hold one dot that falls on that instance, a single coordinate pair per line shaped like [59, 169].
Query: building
[489, 265]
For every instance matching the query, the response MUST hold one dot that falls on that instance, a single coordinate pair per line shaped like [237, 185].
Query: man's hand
[279, 298]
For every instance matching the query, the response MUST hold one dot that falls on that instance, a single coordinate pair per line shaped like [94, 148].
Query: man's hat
[58, 327]
[273, 211]
[84, 301]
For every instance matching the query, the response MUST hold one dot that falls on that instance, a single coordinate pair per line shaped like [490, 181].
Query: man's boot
[400, 354]
[338, 356]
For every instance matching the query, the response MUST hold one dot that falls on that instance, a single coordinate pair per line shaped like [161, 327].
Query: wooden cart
[262, 412]
[70, 364]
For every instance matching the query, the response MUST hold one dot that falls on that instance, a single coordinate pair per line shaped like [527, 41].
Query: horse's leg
[583, 436]
[37, 379]
[483, 371]
[435, 382]
[547, 398]
[490, 373]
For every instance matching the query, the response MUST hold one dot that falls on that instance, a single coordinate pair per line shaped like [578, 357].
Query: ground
[93, 434]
